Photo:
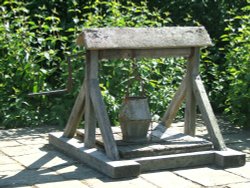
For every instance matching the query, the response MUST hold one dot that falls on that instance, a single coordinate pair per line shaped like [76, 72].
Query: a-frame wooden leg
[208, 114]
[103, 120]
[96, 110]
[76, 114]
[190, 110]
[175, 104]
[91, 72]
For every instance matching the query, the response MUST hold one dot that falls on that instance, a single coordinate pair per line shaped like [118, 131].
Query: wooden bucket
[135, 118]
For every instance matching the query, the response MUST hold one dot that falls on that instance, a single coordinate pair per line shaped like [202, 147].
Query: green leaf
[44, 71]
[46, 55]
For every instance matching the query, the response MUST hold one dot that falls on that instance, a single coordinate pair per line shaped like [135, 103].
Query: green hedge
[37, 36]
[238, 68]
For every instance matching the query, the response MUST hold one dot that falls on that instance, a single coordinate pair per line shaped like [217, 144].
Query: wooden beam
[144, 53]
[103, 120]
[91, 72]
[143, 38]
[190, 110]
[208, 114]
[76, 114]
[175, 104]
[94, 157]
[188, 159]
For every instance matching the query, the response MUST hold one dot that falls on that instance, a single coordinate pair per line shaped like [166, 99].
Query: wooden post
[208, 114]
[190, 110]
[90, 119]
[103, 120]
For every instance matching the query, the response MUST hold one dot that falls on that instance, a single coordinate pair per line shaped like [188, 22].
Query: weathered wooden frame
[105, 43]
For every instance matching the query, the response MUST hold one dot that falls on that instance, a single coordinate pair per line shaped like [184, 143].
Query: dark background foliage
[37, 36]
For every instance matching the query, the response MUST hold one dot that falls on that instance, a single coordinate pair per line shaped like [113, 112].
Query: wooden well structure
[167, 149]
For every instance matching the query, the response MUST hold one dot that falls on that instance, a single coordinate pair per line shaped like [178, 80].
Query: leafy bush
[37, 36]
[34, 42]
[238, 68]
[31, 56]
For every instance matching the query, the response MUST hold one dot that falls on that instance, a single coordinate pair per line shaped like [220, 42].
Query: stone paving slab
[6, 160]
[239, 185]
[27, 133]
[28, 177]
[120, 183]
[243, 171]
[168, 179]
[44, 160]
[33, 141]
[210, 176]
[9, 143]
[62, 184]
[77, 171]
[20, 150]
[11, 167]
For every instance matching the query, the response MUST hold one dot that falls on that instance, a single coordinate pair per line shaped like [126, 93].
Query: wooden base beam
[133, 167]
[94, 158]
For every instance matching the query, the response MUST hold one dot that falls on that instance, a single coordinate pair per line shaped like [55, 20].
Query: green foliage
[114, 13]
[37, 36]
[31, 57]
[238, 68]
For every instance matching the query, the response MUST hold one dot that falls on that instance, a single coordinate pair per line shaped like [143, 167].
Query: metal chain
[136, 77]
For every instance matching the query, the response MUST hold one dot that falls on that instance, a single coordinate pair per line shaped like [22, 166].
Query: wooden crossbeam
[208, 114]
[143, 53]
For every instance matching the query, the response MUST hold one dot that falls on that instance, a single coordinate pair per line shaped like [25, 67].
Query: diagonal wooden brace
[103, 120]
[76, 114]
[175, 104]
[208, 114]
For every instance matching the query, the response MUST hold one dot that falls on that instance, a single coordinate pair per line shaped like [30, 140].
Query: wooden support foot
[230, 158]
